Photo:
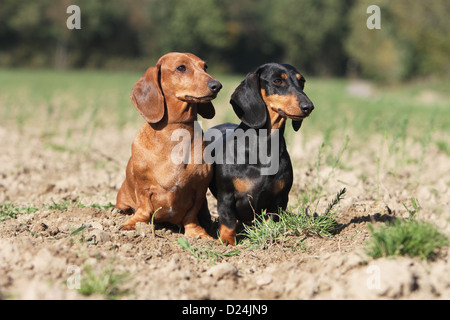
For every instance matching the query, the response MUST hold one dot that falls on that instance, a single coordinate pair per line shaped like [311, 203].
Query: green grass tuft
[107, 283]
[406, 237]
[208, 253]
[9, 210]
[264, 233]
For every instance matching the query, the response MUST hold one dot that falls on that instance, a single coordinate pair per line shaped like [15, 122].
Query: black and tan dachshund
[255, 173]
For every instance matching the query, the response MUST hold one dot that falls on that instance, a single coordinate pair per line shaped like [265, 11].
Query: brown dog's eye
[181, 68]
[277, 81]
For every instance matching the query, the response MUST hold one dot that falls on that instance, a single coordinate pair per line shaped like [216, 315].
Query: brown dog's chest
[176, 194]
[170, 158]
[173, 187]
[178, 179]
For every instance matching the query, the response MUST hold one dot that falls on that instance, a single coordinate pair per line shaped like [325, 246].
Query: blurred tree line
[320, 37]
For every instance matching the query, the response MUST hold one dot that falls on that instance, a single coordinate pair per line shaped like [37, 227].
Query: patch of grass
[208, 253]
[444, 146]
[107, 283]
[412, 212]
[60, 206]
[64, 205]
[9, 210]
[107, 206]
[265, 233]
[78, 230]
[77, 234]
[406, 237]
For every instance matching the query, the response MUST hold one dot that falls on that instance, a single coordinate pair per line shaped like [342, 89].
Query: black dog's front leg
[227, 218]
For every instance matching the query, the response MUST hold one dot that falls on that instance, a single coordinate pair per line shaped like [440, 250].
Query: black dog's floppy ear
[248, 104]
[296, 124]
[206, 110]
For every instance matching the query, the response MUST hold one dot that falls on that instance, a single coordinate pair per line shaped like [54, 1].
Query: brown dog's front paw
[127, 211]
[131, 223]
[116, 211]
[127, 226]
[196, 231]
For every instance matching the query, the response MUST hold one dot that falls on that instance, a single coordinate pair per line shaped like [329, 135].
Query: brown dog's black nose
[214, 86]
[306, 107]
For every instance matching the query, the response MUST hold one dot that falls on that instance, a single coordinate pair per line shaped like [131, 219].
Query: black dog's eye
[181, 68]
[278, 81]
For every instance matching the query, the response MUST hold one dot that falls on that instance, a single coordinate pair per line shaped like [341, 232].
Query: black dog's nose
[214, 86]
[306, 107]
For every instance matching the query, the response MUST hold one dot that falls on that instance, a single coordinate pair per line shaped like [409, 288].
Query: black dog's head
[272, 89]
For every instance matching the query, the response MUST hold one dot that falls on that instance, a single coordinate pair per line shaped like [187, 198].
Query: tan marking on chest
[278, 186]
[242, 185]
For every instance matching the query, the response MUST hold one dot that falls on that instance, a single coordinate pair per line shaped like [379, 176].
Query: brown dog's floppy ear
[248, 104]
[147, 97]
[206, 110]
[296, 124]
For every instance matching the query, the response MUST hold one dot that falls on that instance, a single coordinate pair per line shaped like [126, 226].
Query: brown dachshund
[168, 96]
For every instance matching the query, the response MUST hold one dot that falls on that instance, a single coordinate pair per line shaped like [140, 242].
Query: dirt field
[42, 258]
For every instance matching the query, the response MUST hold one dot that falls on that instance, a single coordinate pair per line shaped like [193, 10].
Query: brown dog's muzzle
[214, 87]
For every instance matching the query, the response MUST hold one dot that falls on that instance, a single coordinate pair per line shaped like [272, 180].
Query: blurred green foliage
[413, 39]
[320, 37]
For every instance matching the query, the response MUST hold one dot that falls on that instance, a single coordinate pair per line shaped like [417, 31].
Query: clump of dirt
[44, 254]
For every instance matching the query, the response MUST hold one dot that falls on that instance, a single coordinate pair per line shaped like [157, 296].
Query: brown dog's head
[273, 90]
[176, 77]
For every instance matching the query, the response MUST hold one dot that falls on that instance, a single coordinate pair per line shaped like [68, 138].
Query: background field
[65, 139]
